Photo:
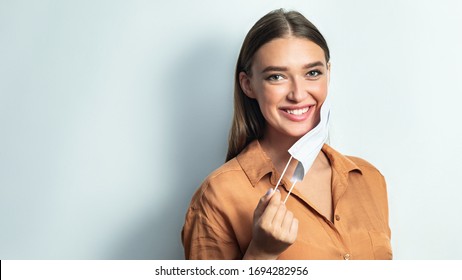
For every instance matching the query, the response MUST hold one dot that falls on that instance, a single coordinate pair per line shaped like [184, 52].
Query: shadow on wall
[199, 101]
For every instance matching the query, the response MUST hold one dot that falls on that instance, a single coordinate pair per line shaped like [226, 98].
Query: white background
[219, 269]
[113, 112]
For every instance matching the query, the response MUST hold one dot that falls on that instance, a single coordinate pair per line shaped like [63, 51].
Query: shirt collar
[339, 161]
[256, 164]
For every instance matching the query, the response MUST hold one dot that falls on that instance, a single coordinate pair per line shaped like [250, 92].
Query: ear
[244, 81]
[329, 66]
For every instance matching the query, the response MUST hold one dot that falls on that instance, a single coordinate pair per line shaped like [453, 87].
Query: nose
[297, 91]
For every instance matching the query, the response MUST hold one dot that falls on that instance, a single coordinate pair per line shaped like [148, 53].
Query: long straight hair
[248, 122]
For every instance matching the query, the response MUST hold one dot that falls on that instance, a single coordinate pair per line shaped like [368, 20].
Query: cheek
[318, 90]
[273, 94]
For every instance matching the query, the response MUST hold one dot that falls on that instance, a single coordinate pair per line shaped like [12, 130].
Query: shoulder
[364, 165]
[368, 176]
[348, 163]
[229, 168]
[226, 175]
[360, 171]
[219, 184]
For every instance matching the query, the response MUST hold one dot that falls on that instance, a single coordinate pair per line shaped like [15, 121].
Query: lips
[297, 114]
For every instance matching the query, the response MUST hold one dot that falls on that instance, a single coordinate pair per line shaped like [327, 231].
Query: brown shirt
[218, 222]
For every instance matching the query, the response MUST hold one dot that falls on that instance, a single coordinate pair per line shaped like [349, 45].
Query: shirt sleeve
[203, 239]
[385, 205]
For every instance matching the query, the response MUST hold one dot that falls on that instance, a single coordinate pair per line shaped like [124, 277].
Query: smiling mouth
[298, 112]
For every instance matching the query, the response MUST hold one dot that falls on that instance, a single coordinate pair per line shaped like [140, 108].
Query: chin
[297, 134]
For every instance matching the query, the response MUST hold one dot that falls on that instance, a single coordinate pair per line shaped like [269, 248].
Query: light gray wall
[113, 112]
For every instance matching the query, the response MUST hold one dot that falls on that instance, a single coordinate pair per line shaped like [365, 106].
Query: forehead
[288, 52]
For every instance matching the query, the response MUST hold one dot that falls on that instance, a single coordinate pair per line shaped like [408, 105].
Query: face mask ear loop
[282, 175]
[293, 184]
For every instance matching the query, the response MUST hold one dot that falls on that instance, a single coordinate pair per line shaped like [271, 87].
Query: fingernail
[269, 192]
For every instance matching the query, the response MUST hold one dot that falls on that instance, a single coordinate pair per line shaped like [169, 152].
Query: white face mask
[307, 148]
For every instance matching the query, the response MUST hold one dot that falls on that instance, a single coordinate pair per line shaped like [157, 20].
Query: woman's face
[289, 79]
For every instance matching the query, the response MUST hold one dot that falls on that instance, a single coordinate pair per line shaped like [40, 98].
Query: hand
[274, 228]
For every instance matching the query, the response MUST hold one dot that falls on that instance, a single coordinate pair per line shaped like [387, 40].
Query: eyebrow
[282, 68]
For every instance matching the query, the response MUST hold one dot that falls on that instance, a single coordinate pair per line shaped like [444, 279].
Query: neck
[276, 146]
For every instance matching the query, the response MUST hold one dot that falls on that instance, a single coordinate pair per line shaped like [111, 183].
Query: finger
[272, 207]
[279, 215]
[287, 222]
[293, 232]
[263, 202]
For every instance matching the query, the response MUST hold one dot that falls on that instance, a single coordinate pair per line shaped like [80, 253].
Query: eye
[313, 73]
[275, 77]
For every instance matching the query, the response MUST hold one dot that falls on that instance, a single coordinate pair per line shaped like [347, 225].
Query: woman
[338, 211]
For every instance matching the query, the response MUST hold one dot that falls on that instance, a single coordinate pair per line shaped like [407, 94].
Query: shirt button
[346, 256]
[337, 217]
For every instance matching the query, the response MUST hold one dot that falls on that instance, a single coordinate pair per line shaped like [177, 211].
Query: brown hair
[248, 122]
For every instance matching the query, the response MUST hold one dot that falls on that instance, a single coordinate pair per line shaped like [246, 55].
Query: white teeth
[298, 111]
